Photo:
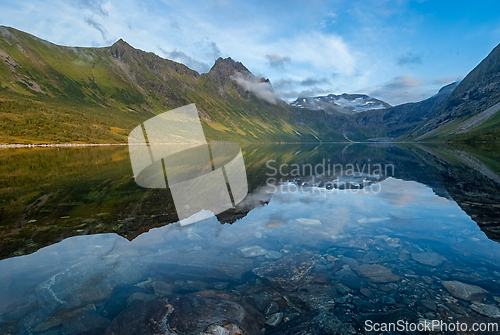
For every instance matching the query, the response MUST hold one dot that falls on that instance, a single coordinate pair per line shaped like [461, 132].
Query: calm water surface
[86, 251]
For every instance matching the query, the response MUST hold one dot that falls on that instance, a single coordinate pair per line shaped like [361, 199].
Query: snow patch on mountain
[345, 103]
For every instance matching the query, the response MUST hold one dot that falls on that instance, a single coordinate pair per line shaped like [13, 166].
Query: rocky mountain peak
[226, 68]
[121, 43]
[119, 48]
[482, 81]
[477, 92]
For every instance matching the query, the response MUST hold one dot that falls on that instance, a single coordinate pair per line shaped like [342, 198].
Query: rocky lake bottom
[303, 264]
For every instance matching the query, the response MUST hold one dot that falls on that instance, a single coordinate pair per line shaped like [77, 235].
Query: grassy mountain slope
[470, 113]
[397, 121]
[488, 131]
[52, 93]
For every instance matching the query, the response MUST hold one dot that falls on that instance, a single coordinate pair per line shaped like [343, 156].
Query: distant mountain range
[54, 94]
[467, 111]
[345, 103]
[399, 121]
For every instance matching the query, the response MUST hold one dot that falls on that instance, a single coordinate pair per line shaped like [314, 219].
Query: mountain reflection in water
[299, 256]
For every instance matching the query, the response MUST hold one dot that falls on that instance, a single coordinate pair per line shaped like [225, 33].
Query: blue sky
[395, 50]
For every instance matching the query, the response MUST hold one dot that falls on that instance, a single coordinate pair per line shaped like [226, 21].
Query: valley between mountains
[57, 94]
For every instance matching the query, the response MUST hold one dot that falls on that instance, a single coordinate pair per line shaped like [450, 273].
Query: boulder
[274, 319]
[146, 318]
[222, 328]
[428, 258]
[465, 291]
[194, 314]
[253, 251]
[376, 273]
[81, 321]
[487, 310]
[162, 289]
[289, 272]
[272, 308]
[260, 301]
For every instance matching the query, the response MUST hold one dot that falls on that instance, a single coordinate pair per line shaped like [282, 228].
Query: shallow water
[296, 256]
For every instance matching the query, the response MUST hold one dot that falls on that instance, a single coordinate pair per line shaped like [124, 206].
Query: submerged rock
[70, 323]
[274, 319]
[309, 221]
[316, 300]
[428, 280]
[190, 285]
[188, 314]
[289, 272]
[162, 289]
[271, 254]
[377, 273]
[15, 306]
[89, 281]
[487, 310]
[348, 278]
[253, 251]
[465, 291]
[259, 301]
[373, 220]
[363, 305]
[428, 305]
[224, 328]
[193, 315]
[349, 261]
[353, 282]
[428, 258]
[386, 300]
[388, 287]
[366, 292]
[342, 289]
[272, 308]
[145, 318]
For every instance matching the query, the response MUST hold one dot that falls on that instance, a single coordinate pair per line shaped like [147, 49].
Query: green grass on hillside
[45, 120]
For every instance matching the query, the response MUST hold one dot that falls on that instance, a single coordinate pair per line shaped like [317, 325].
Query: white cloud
[277, 61]
[194, 35]
[261, 89]
[407, 88]
[99, 27]
[326, 52]
[96, 6]
[357, 41]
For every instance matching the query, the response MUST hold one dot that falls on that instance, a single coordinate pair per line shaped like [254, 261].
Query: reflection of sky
[393, 208]
[392, 198]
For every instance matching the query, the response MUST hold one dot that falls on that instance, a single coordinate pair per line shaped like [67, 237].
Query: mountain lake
[339, 238]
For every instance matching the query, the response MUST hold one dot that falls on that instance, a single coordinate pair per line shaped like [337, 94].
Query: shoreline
[57, 145]
[70, 145]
